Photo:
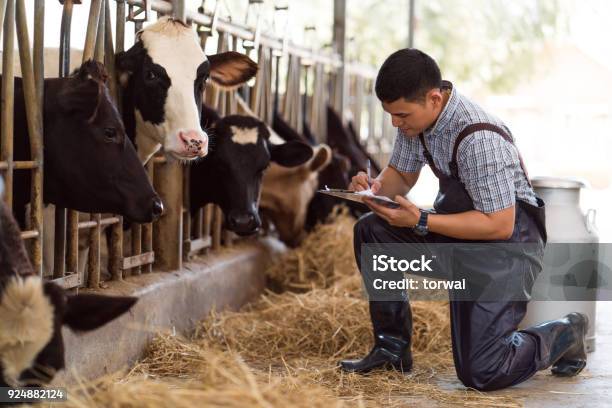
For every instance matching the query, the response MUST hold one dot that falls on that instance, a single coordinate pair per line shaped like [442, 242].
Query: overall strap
[429, 158]
[475, 127]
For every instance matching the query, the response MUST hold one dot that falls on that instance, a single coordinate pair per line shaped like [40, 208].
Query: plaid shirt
[489, 166]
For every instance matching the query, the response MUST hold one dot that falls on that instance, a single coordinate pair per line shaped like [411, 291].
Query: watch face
[420, 230]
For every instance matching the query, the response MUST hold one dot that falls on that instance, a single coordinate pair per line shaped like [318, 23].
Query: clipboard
[357, 197]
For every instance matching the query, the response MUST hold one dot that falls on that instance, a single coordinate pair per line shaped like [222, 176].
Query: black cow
[90, 165]
[164, 76]
[230, 176]
[344, 140]
[32, 313]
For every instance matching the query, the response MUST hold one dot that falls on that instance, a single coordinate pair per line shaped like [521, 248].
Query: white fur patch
[176, 48]
[244, 135]
[26, 325]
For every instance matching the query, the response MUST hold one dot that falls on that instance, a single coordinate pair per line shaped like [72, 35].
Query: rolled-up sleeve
[406, 155]
[486, 166]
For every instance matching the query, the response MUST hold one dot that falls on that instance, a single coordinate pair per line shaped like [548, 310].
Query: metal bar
[20, 165]
[64, 47]
[93, 259]
[2, 10]
[411, 21]
[34, 118]
[136, 246]
[92, 29]
[59, 243]
[109, 54]
[147, 229]
[179, 11]
[8, 92]
[168, 245]
[39, 43]
[137, 261]
[120, 29]
[69, 281]
[115, 258]
[216, 227]
[72, 244]
[196, 245]
[29, 234]
[103, 222]
[339, 40]
[186, 214]
[244, 32]
[100, 34]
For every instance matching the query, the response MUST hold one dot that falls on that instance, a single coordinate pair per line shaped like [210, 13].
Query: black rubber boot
[392, 323]
[566, 339]
[574, 359]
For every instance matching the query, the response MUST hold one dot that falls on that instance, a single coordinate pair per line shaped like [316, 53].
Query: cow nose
[193, 142]
[243, 223]
[158, 208]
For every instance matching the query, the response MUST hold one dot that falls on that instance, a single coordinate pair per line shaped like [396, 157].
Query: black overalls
[489, 352]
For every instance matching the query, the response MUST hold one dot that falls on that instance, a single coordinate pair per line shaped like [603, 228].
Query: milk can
[572, 236]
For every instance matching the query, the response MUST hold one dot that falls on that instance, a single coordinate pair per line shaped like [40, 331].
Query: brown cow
[286, 193]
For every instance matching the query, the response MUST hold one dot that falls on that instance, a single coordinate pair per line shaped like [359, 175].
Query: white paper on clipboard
[359, 196]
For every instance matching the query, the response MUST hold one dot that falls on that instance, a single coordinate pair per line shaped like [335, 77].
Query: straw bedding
[283, 349]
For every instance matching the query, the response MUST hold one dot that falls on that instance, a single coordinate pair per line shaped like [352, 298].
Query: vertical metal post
[411, 21]
[8, 91]
[179, 10]
[34, 116]
[93, 261]
[339, 40]
[168, 230]
[100, 37]
[59, 242]
[147, 229]
[39, 41]
[120, 33]
[64, 48]
[92, 29]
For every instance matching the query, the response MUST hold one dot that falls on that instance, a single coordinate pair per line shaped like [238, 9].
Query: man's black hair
[407, 73]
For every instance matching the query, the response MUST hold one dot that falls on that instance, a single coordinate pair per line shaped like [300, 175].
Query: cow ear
[89, 311]
[321, 159]
[127, 62]
[231, 68]
[290, 154]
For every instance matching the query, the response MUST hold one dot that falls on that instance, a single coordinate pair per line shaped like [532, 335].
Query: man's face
[414, 117]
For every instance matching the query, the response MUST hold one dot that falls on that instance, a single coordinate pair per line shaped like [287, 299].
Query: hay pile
[324, 258]
[283, 349]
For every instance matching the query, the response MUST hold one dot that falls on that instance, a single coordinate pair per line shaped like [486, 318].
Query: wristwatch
[421, 227]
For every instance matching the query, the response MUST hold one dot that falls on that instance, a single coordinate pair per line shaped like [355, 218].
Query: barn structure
[186, 263]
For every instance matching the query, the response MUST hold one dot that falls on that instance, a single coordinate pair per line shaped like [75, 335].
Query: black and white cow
[32, 313]
[233, 170]
[164, 76]
[90, 165]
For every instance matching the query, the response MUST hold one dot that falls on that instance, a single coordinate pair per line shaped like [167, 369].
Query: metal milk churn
[570, 274]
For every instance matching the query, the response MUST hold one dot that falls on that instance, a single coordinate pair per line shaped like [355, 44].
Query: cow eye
[110, 134]
[151, 75]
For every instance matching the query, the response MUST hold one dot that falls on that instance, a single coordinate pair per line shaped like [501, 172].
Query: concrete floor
[592, 388]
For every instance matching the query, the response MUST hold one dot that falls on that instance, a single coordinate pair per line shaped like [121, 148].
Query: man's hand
[406, 216]
[359, 182]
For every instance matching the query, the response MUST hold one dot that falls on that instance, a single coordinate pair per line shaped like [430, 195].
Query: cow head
[164, 76]
[231, 175]
[32, 313]
[87, 152]
[286, 193]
